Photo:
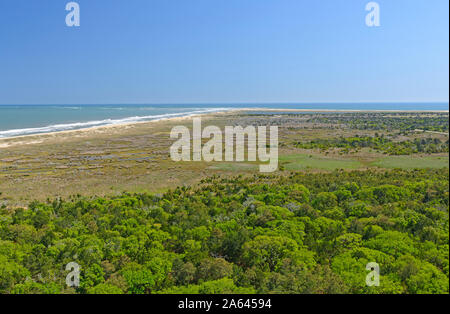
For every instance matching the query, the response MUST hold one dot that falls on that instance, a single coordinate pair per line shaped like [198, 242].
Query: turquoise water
[33, 119]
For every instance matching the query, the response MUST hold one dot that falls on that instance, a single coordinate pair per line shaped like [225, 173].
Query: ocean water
[17, 120]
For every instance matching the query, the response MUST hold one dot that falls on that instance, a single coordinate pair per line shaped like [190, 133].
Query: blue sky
[223, 51]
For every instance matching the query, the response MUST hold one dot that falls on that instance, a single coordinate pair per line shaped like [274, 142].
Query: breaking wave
[89, 124]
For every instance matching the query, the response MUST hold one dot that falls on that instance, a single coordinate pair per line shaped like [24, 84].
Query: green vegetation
[406, 162]
[136, 158]
[378, 143]
[298, 233]
[313, 161]
[402, 121]
[234, 166]
[305, 161]
[311, 231]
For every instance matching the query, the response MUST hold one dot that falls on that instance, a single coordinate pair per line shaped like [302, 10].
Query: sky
[223, 51]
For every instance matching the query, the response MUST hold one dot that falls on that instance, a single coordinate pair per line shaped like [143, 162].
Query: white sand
[41, 137]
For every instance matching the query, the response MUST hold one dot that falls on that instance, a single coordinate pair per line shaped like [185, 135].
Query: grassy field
[309, 161]
[408, 162]
[305, 161]
[235, 166]
[135, 158]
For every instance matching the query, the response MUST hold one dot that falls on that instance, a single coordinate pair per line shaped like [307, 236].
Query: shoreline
[40, 137]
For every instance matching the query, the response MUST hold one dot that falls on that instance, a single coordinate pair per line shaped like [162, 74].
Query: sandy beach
[90, 131]
[86, 132]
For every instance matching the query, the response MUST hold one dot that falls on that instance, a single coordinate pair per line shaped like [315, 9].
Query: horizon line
[231, 103]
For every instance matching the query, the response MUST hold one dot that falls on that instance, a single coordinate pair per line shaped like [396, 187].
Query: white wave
[111, 108]
[83, 125]
[72, 108]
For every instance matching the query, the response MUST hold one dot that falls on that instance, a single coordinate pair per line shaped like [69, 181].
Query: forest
[404, 122]
[311, 232]
[378, 143]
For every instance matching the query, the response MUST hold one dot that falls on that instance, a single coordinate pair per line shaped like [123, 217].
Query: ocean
[17, 120]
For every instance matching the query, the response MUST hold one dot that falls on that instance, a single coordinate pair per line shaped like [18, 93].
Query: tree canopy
[297, 233]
